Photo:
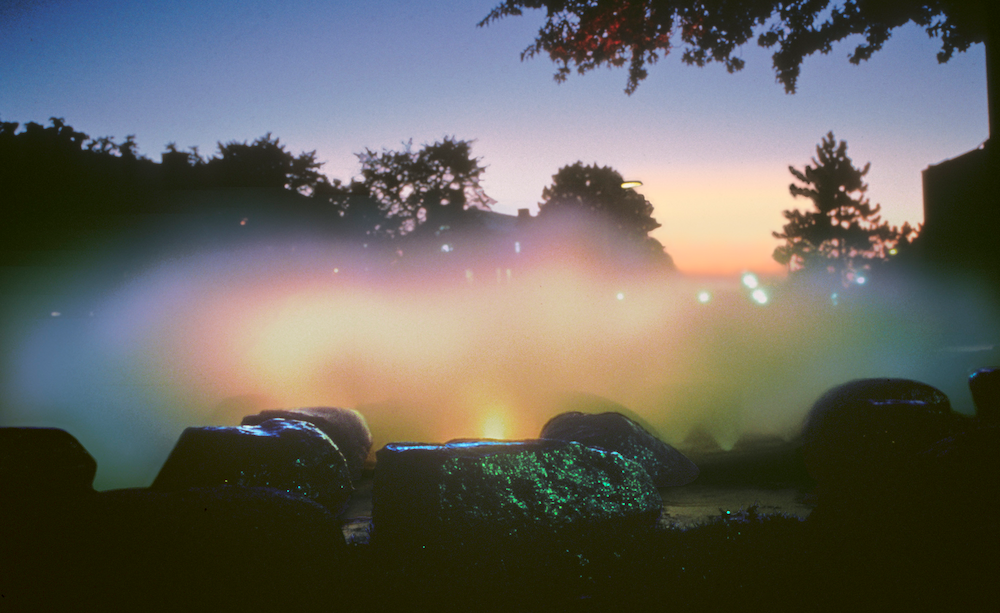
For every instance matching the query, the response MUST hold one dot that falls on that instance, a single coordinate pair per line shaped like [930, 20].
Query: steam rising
[430, 356]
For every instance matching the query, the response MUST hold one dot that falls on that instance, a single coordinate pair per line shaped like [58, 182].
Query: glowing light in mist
[631, 184]
[446, 248]
[704, 297]
[494, 426]
[860, 280]
[750, 280]
[620, 296]
[759, 296]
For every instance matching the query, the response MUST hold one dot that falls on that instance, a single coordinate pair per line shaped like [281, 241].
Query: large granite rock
[615, 432]
[509, 495]
[869, 431]
[43, 462]
[346, 427]
[985, 387]
[289, 455]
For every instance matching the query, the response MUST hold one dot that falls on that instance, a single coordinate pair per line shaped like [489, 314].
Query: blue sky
[338, 77]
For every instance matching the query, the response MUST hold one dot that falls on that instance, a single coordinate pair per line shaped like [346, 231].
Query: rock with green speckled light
[289, 455]
[510, 495]
[616, 432]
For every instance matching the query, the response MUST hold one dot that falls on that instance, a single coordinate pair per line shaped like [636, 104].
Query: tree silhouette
[592, 33]
[594, 196]
[844, 235]
[358, 212]
[433, 185]
[61, 189]
[263, 164]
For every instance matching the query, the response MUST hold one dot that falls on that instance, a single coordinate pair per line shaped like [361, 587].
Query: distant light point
[750, 280]
[861, 280]
[620, 296]
[759, 296]
[631, 184]
[56, 313]
[704, 297]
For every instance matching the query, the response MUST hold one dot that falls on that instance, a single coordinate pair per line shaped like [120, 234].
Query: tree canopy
[264, 163]
[594, 196]
[434, 184]
[59, 185]
[588, 34]
[844, 234]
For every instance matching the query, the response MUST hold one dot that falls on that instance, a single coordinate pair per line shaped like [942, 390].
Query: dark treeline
[65, 191]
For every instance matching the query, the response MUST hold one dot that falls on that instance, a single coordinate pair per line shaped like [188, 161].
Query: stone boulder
[985, 387]
[46, 477]
[346, 427]
[509, 495]
[870, 431]
[615, 432]
[289, 455]
[43, 462]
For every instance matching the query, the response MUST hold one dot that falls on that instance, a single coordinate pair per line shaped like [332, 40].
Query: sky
[337, 77]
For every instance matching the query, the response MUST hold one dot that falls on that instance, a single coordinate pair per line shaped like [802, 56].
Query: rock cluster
[245, 517]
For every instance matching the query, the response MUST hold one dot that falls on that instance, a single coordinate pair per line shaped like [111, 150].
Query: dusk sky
[711, 148]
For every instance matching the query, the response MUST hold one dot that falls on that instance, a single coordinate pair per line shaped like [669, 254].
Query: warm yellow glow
[631, 184]
[494, 426]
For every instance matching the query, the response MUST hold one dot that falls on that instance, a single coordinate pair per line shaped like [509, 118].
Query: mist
[430, 352]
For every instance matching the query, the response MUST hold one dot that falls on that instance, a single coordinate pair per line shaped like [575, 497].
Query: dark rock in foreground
[509, 495]
[616, 432]
[44, 462]
[985, 387]
[293, 456]
[346, 427]
[222, 548]
[868, 432]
